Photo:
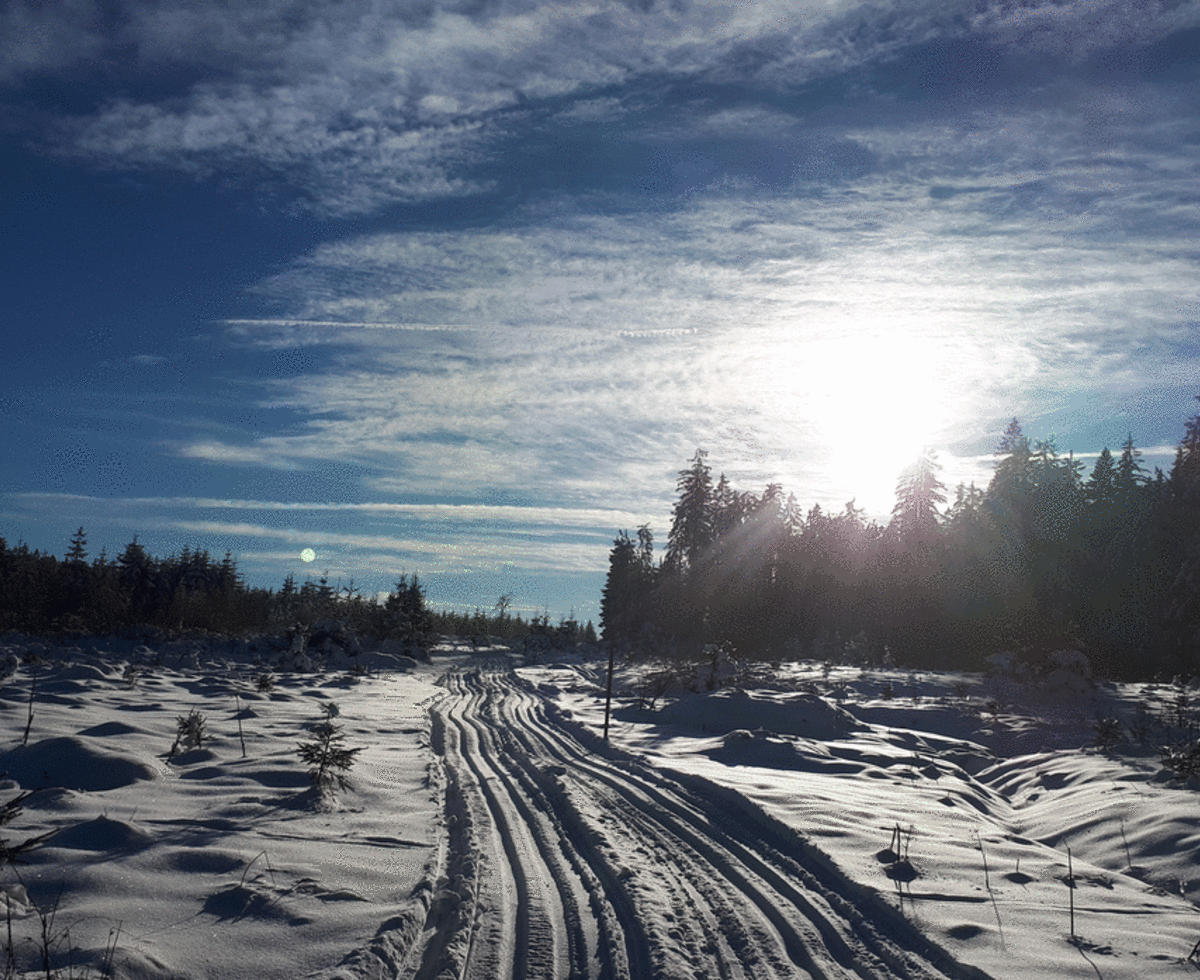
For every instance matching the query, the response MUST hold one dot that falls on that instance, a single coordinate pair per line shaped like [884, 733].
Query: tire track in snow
[538, 910]
[592, 867]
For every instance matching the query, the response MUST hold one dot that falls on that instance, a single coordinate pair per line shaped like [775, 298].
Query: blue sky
[457, 288]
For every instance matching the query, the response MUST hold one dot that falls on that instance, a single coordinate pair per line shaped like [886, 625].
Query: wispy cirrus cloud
[771, 330]
[371, 540]
[552, 517]
[345, 110]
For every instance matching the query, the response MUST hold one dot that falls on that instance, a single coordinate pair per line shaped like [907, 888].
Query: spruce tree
[1101, 485]
[620, 592]
[692, 519]
[407, 616]
[77, 554]
[1130, 476]
[135, 573]
[915, 517]
[1185, 473]
[1014, 471]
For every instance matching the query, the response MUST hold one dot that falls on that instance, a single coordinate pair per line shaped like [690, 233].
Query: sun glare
[876, 402]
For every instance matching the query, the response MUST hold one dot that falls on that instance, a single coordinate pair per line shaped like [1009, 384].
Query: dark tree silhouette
[692, 520]
[915, 517]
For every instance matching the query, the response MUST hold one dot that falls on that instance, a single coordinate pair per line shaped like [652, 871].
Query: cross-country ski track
[562, 858]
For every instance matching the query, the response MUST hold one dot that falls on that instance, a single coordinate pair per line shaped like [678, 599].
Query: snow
[800, 820]
[211, 864]
[956, 781]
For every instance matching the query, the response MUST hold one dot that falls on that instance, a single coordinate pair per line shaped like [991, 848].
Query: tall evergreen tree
[1100, 488]
[77, 553]
[621, 592]
[135, 572]
[406, 614]
[1185, 473]
[915, 517]
[726, 508]
[692, 519]
[1130, 476]
[1014, 470]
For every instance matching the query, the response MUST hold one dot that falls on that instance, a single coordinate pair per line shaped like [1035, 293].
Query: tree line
[1042, 558]
[41, 594]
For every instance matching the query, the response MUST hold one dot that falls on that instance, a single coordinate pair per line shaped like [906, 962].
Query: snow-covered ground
[986, 783]
[795, 822]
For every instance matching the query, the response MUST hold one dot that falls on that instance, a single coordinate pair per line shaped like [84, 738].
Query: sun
[876, 402]
[308, 555]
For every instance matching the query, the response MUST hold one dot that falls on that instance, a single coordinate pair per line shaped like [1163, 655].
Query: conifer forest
[1046, 556]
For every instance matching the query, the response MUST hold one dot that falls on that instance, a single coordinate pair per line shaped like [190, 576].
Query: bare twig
[237, 702]
[1071, 889]
[29, 720]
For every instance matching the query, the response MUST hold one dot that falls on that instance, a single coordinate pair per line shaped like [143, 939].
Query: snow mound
[72, 762]
[110, 728]
[767, 750]
[806, 715]
[83, 672]
[102, 834]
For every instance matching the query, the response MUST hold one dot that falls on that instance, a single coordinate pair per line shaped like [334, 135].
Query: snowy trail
[561, 862]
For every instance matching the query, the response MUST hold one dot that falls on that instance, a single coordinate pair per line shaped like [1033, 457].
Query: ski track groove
[565, 861]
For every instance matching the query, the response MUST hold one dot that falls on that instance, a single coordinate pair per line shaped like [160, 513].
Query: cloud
[368, 538]
[40, 38]
[583, 356]
[344, 111]
[493, 514]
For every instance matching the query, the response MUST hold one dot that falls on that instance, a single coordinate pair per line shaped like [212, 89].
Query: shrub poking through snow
[1182, 761]
[264, 683]
[10, 853]
[1142, 725]
[1109, 732]
[1181, 708]
[190, 733]
[327, 758]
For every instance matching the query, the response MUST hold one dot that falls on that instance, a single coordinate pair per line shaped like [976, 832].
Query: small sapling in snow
[264, 683]
[327, 758]
[190, 733]
[1181, 707]
[1109, 732]
[1182, 760]
[1142, 725]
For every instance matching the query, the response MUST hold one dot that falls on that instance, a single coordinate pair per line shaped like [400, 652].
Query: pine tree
[325, 754]
[692, 519]
[77, 554]
[406, 614]
[1101, 485]
[1014, 470]
[135, 573]
[1130, 476]
[915, 517]
[621, 590]
[1185, 473]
